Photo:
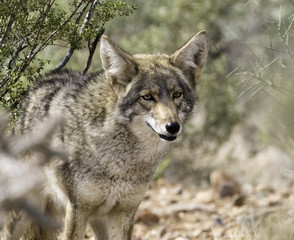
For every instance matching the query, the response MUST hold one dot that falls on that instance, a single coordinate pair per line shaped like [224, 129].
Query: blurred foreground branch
[18, 178]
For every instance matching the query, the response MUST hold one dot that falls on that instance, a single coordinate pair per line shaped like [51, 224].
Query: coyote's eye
[177, 94]
[148, 97]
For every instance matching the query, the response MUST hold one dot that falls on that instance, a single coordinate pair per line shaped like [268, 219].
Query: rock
[239, 200]
[147, 217]
[206, 196]
[218, 221]
[187, 207]
[223, 184]
[136, 238]
[226, 189]
[181, 238]
[163, 231]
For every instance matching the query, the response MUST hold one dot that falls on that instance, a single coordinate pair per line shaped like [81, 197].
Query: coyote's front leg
[75, 223]
[117, 225]
[17, 226]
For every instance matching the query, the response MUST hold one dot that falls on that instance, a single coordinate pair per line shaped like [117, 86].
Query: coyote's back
[118, 124]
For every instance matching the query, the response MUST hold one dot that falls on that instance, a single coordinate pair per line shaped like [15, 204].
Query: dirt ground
[250, 198]
[172, 211]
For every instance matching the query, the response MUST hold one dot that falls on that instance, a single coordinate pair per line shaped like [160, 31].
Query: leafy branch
[31, 26]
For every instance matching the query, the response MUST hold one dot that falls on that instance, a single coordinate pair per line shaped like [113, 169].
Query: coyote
[118, 124]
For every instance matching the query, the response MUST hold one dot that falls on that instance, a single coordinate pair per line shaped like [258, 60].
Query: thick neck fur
[117, 145]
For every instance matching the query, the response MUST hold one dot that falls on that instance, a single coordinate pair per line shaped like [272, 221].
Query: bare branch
[10, 67]
[92, 50]
[6, 79]
[18, 50]
[65, 60]
[9, 25]
[89, 14]
[72, 49]
[85, 24]
[81, 14]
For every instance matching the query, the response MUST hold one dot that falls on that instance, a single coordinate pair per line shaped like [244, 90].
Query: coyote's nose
[172, 127]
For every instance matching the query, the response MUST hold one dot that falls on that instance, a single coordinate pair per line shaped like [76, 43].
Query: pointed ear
[192, 57]
[119, 66]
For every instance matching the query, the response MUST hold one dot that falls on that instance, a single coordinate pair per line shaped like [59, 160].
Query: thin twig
[289, 28]
[272, 97]
[248, 89]
[261, 64]
[256, 91]
[287, 47]
[232, 73]
[269, 48]
[18, 50]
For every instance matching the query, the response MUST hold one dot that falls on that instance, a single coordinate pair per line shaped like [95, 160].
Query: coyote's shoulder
[118, 124]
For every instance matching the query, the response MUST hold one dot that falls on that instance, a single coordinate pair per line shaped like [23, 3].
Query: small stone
[181, 238]
[273, 203]
[239, 200]
[226, 189]
[136, 238]
[163, 232]
[205, 196]
[285, 194]
[218, 221]
[224, 185]
[147, 217]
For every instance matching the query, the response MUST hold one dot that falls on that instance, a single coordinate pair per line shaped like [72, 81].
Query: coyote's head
[156, 93]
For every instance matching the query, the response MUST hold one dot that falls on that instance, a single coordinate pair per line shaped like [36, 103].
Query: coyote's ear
[118, 65]
[192, 57]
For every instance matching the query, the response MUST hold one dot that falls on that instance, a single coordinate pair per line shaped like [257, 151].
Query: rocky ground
[174, 212]
[249, 197]
[224, 210]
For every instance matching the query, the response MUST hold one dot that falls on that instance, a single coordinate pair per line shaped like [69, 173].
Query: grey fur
[115, 134]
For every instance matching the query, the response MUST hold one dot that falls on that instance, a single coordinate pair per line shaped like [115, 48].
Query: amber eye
[148, 97]
[177, 94]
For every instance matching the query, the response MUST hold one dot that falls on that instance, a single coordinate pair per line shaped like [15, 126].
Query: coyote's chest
[111, 174]
[114, 193]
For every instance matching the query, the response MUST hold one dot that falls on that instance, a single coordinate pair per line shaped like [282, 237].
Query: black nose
[173, 127]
